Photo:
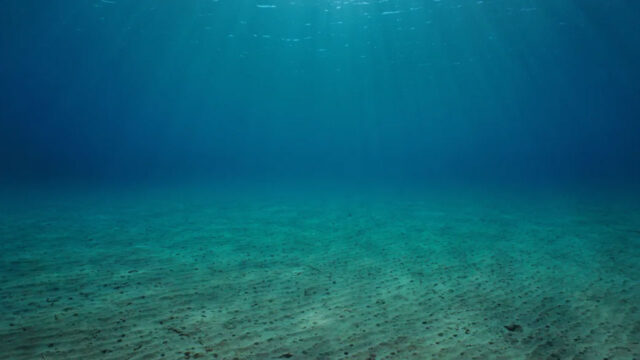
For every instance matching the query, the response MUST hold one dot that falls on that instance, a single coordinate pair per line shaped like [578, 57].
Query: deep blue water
[415, 91]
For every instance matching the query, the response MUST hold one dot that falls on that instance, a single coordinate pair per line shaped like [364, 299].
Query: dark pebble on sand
[513, 327]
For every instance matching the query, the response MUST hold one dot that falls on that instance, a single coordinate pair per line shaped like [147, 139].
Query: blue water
[376, 132]
[514, 91]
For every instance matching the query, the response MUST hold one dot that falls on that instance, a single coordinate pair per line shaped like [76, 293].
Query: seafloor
[103, 274]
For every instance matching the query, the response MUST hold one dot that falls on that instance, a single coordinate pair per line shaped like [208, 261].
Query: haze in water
[320, 179]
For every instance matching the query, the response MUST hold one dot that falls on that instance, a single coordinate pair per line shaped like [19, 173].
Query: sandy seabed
[107, 276]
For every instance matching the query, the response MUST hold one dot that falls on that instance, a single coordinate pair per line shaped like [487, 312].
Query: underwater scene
[319, 179]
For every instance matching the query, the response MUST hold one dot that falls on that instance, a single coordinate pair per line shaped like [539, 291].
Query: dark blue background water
[495, 91]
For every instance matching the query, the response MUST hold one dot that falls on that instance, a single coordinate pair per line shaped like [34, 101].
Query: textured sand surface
[353, 278]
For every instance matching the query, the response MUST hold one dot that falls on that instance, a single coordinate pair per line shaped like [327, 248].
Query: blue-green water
[306, 179]
[516, 91]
